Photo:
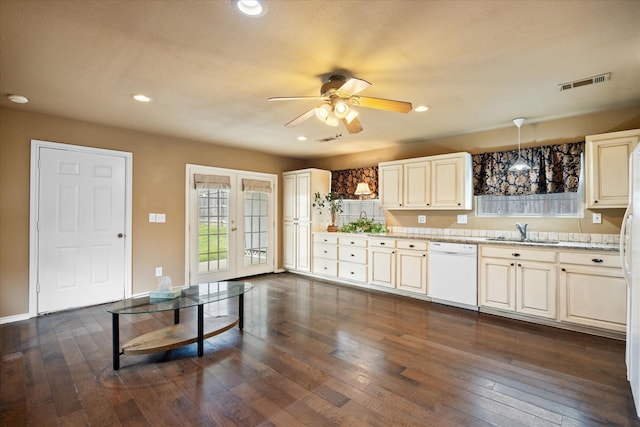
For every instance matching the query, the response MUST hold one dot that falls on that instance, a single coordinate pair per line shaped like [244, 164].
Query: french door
[231, 229]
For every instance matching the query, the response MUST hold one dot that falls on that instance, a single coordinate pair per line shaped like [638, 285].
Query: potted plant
[332, 202]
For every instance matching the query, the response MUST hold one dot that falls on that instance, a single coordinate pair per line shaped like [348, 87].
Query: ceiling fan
[338, 96]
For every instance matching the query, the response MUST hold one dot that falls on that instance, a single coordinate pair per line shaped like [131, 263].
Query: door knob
[120, 235]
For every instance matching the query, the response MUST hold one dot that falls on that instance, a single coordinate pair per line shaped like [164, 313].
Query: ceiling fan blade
[298, 98]
[354, 85]
[301, 118]
[382, 104]
[354, 126]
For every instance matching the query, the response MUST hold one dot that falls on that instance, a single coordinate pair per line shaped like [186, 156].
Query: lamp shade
[362, 189]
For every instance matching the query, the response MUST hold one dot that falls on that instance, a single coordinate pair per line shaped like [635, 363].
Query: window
[256, 227]
[213, 230]
[567, 205]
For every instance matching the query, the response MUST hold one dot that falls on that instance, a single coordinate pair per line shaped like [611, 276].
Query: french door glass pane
[256, 229]
[213, 230]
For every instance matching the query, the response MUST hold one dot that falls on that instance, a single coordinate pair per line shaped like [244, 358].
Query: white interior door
[81, 228]
[231, 231]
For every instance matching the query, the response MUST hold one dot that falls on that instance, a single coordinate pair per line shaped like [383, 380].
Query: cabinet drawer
[356, 255]
[382, 243]
[515, 252]
[590, 258]
[353, 241]
[413, 244]
[322, 238]
[325, 267]
[324, 250]
[352, 271]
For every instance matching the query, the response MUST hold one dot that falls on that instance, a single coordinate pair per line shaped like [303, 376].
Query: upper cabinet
[607, 168]
[435, 182]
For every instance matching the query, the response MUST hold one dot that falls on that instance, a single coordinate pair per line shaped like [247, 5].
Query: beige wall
[572, 129]
[158, 186]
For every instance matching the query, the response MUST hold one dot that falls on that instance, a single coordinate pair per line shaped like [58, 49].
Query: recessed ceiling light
[251, 7]
[421, 108]
[302, 138]
[140, 97]
[18, 99]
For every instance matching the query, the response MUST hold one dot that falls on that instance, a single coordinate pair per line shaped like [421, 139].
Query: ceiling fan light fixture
[332, 121]
[341, 109]
[322, 112]
[352, 115]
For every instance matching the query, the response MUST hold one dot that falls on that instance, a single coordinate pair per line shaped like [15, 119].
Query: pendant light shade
[519, 165]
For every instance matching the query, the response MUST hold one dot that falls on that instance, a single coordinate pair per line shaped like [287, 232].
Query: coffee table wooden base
[179, 335]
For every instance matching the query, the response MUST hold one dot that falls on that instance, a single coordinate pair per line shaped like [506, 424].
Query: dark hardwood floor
[315, 353]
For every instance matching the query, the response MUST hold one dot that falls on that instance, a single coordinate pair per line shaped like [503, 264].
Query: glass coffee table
[178, 335]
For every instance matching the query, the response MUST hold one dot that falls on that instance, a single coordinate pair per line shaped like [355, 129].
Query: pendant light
[520, 165]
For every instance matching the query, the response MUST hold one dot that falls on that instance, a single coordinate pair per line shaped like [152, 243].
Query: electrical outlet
[462, 219]
[597, 218]
[422, 219]
[158, 271]
[152, 217]
[161, 217]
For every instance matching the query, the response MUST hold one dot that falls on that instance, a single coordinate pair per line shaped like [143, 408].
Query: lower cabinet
[382, 262]
[325, 255]
[352, 258]
[412, 266]
[593, 291]
[519, 280]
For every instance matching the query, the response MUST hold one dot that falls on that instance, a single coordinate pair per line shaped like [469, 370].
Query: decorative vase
[333, 227]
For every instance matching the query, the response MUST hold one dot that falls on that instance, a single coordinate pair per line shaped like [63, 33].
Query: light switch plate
[597, 218]
[422, 219]
[152, 217]
[158, 271]
[462, 219]
[161, 217]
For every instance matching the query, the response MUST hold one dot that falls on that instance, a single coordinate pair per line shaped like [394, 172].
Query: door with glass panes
[231, 224]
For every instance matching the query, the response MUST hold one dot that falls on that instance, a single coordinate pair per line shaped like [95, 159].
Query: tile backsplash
[507, 234]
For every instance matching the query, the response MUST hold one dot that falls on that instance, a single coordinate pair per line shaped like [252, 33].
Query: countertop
[611, 247]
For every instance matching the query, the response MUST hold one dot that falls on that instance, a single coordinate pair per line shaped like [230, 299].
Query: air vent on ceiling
[584, 82]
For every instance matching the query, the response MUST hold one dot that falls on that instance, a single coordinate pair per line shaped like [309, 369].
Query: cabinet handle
[515, 254]
[325, 240]
[353, 243]
[519, 265]
[459, 204]
[325, 252]
[424, 255]
[353, 254]
[512, 264]
[325, 268]
[352, 272]
[412, 246]
[428, 204]
[381, 243]
[595, 201]
[564, 269]
[597, 260]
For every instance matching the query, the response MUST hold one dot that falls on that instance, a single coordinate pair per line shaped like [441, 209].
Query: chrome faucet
[523, 230]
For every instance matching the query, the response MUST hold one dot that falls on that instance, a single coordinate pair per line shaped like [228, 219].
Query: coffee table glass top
[193, 295]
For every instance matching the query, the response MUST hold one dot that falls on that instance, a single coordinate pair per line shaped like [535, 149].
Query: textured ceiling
[209, 69]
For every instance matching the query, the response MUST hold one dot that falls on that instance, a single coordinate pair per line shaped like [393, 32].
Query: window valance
[554, 169]
[212, 182]
[257, 185]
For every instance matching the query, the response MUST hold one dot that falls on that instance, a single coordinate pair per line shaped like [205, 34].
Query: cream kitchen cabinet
[382, 262]
[300, 220]
[434, 182]
[593, 291]
[607, 168]
[519, 280]
[412, 262]
[325, 255]
[352, 258]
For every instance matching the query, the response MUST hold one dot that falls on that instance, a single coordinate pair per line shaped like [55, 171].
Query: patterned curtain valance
[345, 181]
[554, 169]
[212, 182]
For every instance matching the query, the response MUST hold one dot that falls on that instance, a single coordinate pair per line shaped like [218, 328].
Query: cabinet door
[412, 270]
[390, 186]
[289, 202]
[417, 184]
[497, 283]
[382, 266]
[536, 290]
[608, 170]
[290, 244]
[303, 196]
[447, 183]
[303, 253]
[593, 296]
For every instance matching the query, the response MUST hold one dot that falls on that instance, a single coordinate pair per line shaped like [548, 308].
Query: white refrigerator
[630, 253]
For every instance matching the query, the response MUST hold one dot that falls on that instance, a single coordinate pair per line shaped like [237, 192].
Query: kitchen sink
[542, 242]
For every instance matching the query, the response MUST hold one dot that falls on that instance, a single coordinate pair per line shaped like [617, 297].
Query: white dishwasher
[453, 274]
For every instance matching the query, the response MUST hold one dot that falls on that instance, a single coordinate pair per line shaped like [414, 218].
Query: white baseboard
[16, 318]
